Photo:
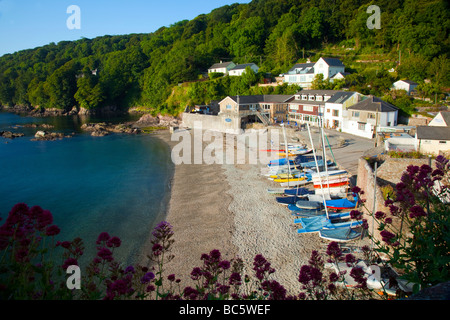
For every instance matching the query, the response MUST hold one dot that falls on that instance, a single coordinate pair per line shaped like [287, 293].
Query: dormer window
[312, 98]
[297, 97]
[319, 98]
[304, 97]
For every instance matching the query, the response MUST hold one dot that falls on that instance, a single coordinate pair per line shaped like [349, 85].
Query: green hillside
[144, 70]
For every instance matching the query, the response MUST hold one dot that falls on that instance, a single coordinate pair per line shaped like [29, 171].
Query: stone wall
[221, 123]
[389, 172]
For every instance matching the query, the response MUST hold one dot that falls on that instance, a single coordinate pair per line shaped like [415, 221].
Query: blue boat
[298, 191]
[339, 234]
[289, 200]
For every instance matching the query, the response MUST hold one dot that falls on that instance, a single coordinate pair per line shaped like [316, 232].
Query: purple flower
[113, 242]
[103, 237]
[387, 236]
[261, 266]
[334, 250]
[190, 293]
[147, 277]
[380, 215]
[129, 269]
[52, 231]
[196, 273]
[350, 259]
[416, 212]
[44, 219]
[235, 279]
[224, 264]
[69, 262]
[355, 214]
[171, 277]
[105, 254]
[277, 291]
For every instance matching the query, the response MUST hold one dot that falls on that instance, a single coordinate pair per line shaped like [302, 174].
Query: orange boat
[325, 185]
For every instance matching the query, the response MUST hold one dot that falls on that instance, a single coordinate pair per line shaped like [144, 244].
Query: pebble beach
[227, 207]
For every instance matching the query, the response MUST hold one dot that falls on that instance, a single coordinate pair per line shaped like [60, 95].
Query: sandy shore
[227, 207]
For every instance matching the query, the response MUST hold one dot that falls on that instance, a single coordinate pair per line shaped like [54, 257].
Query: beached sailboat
[323, 225]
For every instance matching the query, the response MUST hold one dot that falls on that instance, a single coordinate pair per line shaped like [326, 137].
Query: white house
[339, 76]
[309, 106]
[222, 67]
[239, 69]
[442, 119]
[406, 85]
[336, 108]
[303, 74]
[364, 117]
[433, 139]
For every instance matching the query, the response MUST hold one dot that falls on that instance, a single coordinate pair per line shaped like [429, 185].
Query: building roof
[374, 104]
[340, 97]
[276, 98]
[243, 66]
[269, 98]
[221, 65]
[333, 62]
[408, 82]
[330, 93]
[433, 133]
[302, 66]
[445, 116]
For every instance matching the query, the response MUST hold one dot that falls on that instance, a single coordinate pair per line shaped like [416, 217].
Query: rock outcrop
[11, 135]
[148, 120]
[103, 129]
[45, 135]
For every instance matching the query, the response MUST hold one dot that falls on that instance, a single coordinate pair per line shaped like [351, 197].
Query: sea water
[117, 183]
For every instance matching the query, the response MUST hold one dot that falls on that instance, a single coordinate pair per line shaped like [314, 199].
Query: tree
[89, 94]
[440, 70]
[319, 83]
[61, 86]
[248, 77]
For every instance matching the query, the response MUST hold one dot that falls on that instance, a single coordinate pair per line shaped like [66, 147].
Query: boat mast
[318, 171]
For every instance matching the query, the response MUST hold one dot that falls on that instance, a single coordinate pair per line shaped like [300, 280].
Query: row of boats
[316, 194]
[314, 191]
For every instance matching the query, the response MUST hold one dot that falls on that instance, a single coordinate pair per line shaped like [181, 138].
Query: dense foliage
[141, 69]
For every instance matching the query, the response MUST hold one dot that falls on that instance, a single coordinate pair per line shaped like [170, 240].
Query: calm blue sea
[117, 183]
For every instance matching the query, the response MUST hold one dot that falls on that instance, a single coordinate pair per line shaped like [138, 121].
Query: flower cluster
[414, 230]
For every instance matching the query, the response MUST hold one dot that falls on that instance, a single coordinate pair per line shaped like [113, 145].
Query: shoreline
[198, 211]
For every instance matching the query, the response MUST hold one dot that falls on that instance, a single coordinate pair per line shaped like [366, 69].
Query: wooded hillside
[142, 69]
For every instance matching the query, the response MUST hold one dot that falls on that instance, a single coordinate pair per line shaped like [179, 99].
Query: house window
[228, 106]
[371, 116]
[308, 108]
[302, 79]
[328, 110]
[355, 114]
[388, 124]
[441, 141]
[361, 126]
[335, 113]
